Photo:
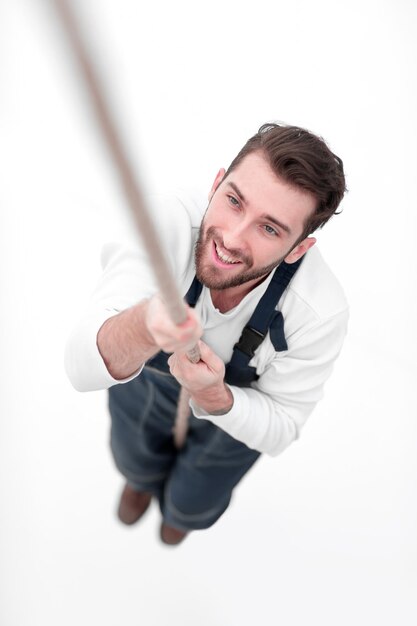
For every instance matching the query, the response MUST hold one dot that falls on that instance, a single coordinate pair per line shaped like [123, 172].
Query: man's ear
[300, 249]
[217, 181]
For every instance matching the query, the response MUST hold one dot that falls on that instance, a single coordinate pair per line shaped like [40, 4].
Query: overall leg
[207, 469]
[143, 413]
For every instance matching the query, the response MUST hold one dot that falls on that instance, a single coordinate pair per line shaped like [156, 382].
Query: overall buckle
[249, 341]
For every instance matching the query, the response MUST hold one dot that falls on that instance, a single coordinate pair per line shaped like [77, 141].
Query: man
[269, 318]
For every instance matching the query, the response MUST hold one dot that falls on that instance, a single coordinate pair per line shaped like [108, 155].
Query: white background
[324, 534]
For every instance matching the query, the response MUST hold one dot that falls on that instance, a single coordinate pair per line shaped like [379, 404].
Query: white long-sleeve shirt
[268, 415]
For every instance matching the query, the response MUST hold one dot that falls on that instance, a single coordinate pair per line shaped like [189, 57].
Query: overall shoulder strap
[264, 318]
[194, 292]
[265, 313]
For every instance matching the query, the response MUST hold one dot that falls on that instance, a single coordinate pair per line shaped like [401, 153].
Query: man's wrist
[215, 401]
[148, 341]
[125, 343]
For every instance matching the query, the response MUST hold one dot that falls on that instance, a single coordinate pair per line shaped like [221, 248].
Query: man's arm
[128, 280]
[269, 415]
[125, 343]
[130, 338]
[97, 359]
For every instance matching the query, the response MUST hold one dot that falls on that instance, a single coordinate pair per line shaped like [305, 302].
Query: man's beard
[212, 277]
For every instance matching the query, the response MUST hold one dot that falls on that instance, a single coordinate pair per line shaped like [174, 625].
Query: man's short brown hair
[302, 160]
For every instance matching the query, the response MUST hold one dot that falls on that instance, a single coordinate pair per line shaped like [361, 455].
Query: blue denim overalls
[194, 484]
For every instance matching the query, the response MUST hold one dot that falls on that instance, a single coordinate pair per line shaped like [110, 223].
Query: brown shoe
[171, 536]
[132, 505]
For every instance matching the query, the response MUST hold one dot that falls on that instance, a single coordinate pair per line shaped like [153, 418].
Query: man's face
[252, 223]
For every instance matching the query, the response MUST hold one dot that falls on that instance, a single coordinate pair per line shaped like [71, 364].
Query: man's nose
[235, 241]
[236, 238]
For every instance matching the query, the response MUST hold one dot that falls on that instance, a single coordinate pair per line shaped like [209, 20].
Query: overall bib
[194, 484]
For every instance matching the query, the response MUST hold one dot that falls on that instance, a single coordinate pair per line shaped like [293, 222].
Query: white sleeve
[85, 368]
[269, 415]
[126, 280]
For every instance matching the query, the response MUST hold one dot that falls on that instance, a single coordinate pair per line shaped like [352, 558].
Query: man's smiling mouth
[224, 256]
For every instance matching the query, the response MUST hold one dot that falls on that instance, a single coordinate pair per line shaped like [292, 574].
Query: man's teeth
[225, 257]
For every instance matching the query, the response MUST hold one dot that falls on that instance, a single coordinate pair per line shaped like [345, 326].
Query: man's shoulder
[179, 206]
[316, 288]
[176, 215]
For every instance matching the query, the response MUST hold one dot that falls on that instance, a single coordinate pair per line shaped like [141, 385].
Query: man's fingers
[209, 357]
[191, 327]
[198, 377]
[168, 335]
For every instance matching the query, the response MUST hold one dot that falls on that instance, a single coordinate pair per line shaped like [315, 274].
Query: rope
[130, 183]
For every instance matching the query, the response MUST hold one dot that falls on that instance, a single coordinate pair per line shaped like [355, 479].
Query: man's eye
[233, 200]
[270, 230]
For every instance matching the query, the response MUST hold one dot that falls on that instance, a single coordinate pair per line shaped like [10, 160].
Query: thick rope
[130, 183]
